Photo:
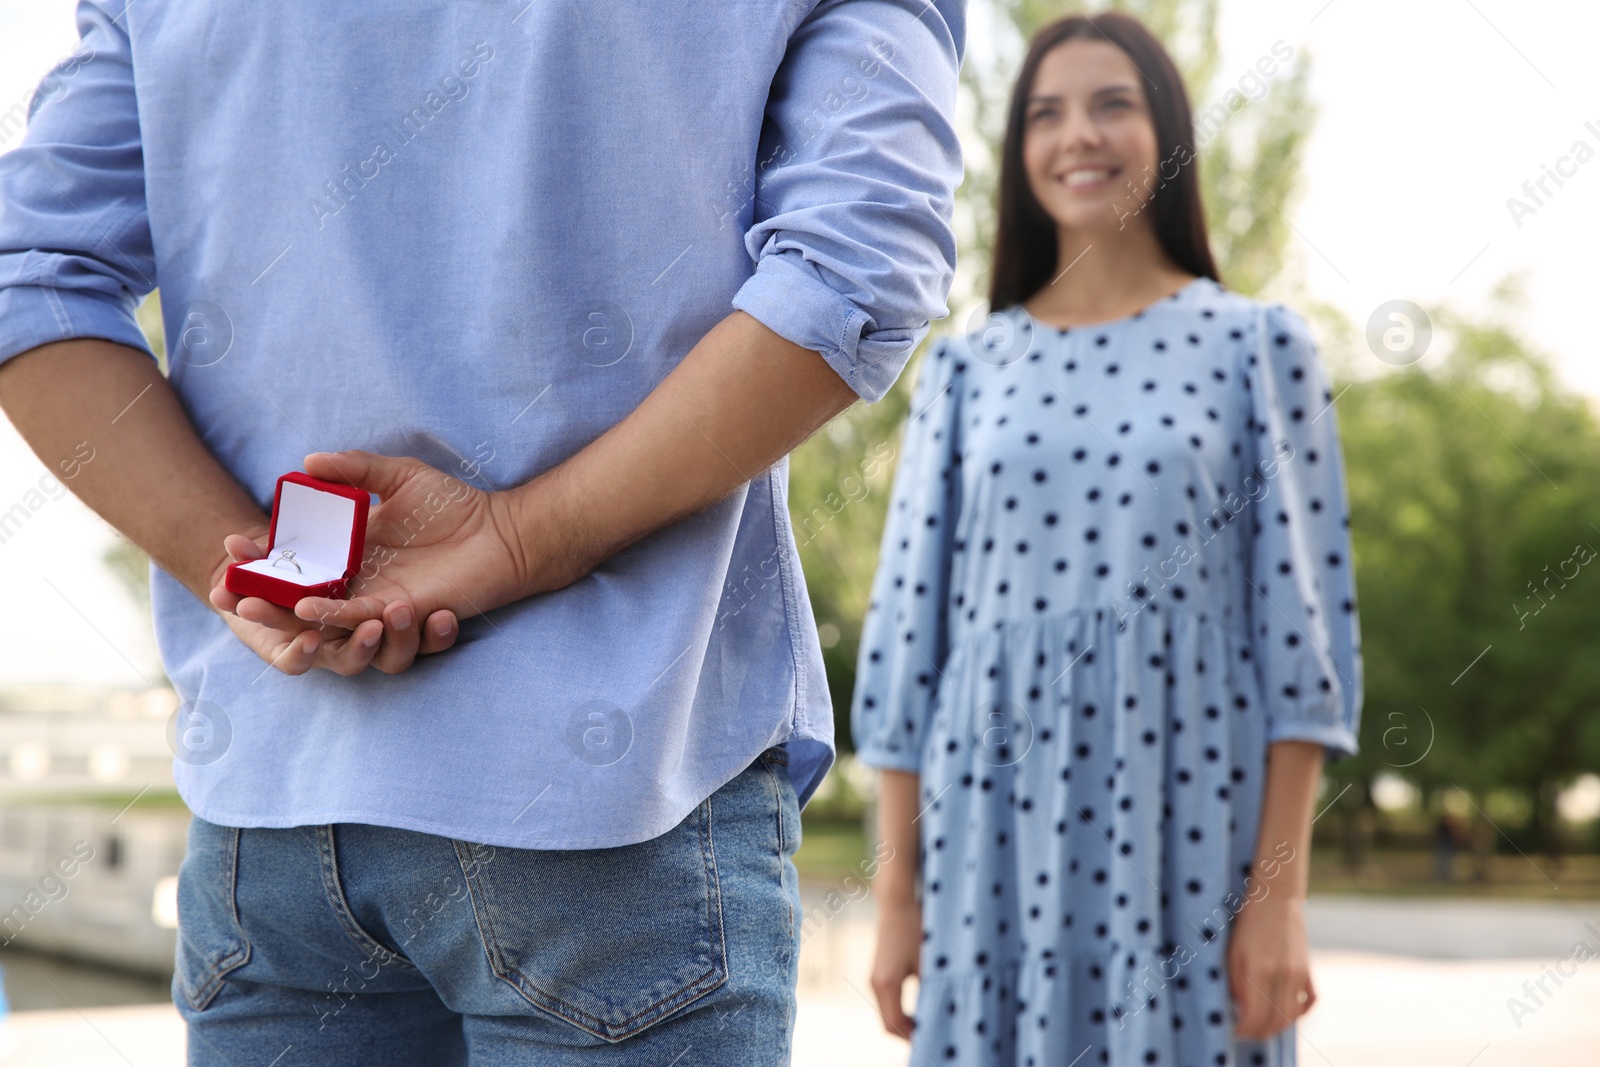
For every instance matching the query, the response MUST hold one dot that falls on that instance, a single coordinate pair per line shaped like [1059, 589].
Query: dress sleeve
[75, 250]
[1305, 638]
[855, 185]
[905, 638]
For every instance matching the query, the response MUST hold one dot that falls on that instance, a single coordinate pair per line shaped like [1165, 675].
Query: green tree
[1472, 478]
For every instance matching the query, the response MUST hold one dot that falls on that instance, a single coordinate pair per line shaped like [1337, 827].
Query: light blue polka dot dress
[1116, 567]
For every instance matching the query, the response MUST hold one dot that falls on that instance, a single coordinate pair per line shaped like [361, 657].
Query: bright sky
[1431, 114]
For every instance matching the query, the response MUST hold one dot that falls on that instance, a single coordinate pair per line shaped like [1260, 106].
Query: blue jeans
[353, 944]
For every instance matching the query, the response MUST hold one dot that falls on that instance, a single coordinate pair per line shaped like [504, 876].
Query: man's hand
[437, 548]
[736, 404]
[295, 646]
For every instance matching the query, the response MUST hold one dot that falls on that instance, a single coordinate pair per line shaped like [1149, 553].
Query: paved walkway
[1375, 1010]
[1453, 929]
[1436, 995]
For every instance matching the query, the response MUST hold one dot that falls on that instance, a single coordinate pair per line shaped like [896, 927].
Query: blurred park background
[1456, 858]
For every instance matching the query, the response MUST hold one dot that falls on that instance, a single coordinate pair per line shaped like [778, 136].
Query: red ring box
[325, 524]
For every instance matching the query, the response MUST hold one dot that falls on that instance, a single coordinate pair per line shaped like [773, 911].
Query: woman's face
[1089, 143]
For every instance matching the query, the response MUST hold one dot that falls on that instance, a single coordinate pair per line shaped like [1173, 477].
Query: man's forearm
[151, 476]
[742, 399]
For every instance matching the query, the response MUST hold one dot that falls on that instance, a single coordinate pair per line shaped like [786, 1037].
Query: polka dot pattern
[1113, 573]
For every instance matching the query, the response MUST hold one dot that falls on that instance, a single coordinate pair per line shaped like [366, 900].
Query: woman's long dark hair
[1025, 246]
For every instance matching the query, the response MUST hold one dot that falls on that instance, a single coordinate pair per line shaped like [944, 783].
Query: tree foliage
[1472, 479]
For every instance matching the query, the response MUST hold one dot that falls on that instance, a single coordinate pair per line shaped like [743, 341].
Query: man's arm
[850, 229]
[754, 397]
[153, 479]
[76, 256]
[736, 404]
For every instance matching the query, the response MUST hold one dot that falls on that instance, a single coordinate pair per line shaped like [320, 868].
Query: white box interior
[318, 526]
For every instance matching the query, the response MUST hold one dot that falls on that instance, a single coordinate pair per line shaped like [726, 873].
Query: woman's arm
[1269, 964]
[899, 914]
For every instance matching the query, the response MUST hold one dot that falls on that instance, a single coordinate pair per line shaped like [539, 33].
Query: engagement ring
[287, 556]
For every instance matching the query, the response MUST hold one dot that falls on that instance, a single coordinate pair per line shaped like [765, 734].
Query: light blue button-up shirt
[480, 234]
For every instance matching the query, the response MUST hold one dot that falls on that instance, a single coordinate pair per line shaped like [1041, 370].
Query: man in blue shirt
[552, 281]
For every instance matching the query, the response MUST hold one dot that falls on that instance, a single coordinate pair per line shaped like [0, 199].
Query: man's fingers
[441, 631]
[294, 656]
[225, 600]
[382, 634]
[350, 655]
[266, 613]
[348, 614]
[297, 653]
[241, 547]
[371, 471]
[401, 639]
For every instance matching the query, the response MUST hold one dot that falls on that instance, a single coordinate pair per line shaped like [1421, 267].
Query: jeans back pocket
[611, 940]
[211, 942]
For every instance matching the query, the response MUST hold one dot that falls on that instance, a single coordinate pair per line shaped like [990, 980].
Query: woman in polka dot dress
[1113, 634]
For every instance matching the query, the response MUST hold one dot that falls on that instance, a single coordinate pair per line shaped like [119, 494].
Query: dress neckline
[1140, 313]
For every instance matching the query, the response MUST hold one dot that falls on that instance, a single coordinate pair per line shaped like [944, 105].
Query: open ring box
[324, 525]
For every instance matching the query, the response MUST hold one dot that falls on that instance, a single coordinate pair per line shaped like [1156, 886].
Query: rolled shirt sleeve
[905, 636]
[1304, 629]
[76, 255]
[852, 235]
